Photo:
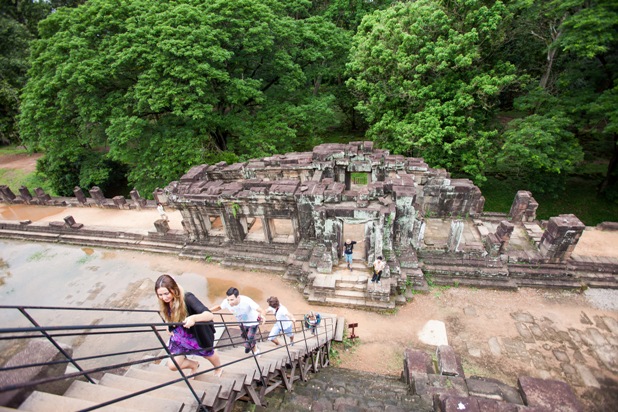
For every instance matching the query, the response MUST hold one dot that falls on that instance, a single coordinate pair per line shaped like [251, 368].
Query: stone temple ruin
[291, 213]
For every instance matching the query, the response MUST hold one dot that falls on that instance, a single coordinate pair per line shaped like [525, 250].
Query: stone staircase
[350, 288]
[244, 377]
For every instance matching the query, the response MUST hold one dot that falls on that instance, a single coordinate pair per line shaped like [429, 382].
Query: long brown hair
[176, 310]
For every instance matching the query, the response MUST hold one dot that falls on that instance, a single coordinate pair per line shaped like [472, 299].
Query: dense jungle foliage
[134, 93]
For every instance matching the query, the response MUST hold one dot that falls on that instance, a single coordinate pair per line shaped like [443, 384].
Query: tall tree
[18, 25]
[576, 90]
[427, 82]
[14, 40]
[162, 86]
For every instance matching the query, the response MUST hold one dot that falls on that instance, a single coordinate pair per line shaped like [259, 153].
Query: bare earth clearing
[484, 326]
[24, 162]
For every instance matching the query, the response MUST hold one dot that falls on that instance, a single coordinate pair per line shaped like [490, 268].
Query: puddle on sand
[28, 212]
[88, 250]
[218, 287]
[108, 255]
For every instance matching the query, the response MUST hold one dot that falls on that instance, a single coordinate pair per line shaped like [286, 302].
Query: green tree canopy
[162, 86]
[427, 82]
[18, 25]
[573, 105]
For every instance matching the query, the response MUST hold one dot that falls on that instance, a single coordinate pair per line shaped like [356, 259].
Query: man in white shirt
[161, 211]
[247, 312]
[378, 268]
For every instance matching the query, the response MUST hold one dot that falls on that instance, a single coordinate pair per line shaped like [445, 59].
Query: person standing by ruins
[378, 267]
[248, 313]
[193, 337]
[348, 250]
[284, 320]
[161, 211]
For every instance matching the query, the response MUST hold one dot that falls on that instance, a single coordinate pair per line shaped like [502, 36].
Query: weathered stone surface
[456, 403]
[524, 332]
[522, 317]
[36, 352]
[447, 361]
[524, 207]
[550, 394]
[586, 376]
[494, 346]
[416, 361]
[561, 237]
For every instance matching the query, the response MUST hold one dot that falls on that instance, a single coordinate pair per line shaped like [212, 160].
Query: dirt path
[24, 162]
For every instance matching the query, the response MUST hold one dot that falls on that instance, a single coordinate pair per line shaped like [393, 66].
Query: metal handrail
[52, 332]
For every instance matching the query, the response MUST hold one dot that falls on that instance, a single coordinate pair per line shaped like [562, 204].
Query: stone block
[488, 388]
[97, 195]
[6, 194]
[79, 195]
[550, 394]
[447, 361]
[162, 226]
[36, 352]
[489, 405]
[416, 361]
[70, 222]
[25, 194]
[119, 201]
[439, 385]
[456, 404]
[42, 197]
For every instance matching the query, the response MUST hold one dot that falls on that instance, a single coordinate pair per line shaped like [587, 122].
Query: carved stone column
[524, 207]
[561, 237]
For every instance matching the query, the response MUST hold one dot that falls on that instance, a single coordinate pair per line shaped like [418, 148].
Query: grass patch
[12, 150]
[15, 178]
[85, 259]
[40, 255]
[579, 198]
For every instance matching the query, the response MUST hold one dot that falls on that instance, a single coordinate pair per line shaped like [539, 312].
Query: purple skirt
[184, 343]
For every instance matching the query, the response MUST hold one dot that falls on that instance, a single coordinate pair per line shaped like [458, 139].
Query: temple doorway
[356, 232]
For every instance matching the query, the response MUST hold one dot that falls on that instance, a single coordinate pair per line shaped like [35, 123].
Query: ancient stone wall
[320, 191]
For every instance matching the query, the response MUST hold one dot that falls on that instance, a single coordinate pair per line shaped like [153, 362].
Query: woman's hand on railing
[188, 322]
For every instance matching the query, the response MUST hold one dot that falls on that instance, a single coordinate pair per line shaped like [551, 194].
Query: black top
[349, 247]
[204, 332]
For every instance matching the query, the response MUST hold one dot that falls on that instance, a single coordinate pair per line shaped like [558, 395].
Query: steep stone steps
[42, 401]
[101, 393]
[169, 392]
[212, 391]
[336, 300]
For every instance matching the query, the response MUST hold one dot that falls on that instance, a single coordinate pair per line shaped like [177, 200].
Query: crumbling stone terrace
[291, 214]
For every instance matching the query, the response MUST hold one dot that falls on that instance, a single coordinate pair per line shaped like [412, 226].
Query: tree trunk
[611, 178]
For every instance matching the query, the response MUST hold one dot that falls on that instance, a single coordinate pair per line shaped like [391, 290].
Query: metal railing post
[172, 358]
[287, 348]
